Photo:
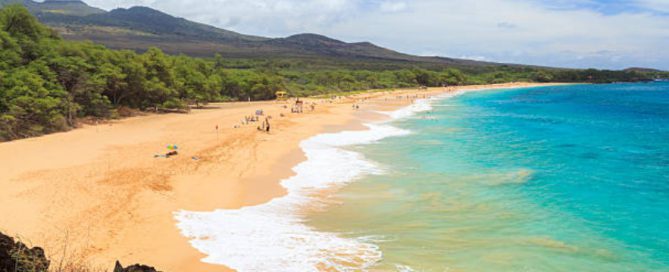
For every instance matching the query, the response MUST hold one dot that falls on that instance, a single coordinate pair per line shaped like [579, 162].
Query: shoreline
[104, 174]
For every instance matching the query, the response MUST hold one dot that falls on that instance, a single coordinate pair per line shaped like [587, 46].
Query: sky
[605, 34]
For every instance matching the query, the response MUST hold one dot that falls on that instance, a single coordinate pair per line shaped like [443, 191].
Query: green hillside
[139, 28]
[63, 7]
[47, 84]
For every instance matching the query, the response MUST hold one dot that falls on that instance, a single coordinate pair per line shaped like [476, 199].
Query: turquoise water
[563, 178]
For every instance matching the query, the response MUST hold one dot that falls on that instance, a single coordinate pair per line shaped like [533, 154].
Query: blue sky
[610, 34]
[610, 7]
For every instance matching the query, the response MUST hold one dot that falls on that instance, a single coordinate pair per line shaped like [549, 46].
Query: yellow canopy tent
[281, 96]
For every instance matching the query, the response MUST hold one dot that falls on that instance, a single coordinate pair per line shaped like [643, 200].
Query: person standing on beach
[267, 122]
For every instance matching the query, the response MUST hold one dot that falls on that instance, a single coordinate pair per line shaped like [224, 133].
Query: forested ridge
[47, 83]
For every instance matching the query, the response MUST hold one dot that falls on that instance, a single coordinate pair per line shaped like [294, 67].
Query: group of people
[412, 97]
[250, 118]
[298, 107]
[265, 126]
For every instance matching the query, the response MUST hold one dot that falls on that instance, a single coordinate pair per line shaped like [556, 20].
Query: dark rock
[16, 256]
[133, 268]
[6, 246]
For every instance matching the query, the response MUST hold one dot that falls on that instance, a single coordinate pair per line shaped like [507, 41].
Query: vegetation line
[47, 83]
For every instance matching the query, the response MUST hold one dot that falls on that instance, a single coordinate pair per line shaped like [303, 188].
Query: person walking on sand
[267, 122]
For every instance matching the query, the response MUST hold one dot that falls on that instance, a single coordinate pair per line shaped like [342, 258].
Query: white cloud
[393, 6]
[119, 3]
[656, 5]
[260, 17]
[564, 33]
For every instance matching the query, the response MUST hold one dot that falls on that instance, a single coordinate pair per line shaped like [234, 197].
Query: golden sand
[98, 193]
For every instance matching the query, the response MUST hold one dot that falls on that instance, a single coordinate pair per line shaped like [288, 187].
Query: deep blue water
[562, 178]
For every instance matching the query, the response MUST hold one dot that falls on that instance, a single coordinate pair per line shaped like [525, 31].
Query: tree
[47, 83]
[10, 52]
[32, 109]
[115, 82]
[542, 76]
[17, 21]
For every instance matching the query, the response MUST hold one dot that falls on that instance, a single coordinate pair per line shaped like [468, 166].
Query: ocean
[557, 178]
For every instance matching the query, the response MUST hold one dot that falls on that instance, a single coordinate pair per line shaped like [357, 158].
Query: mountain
[141, 21]
[139, 28]
[63, 7]
[643, 70]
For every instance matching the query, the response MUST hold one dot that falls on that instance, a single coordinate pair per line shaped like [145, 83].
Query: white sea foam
[273, 236]
[454, 93]
[403, 268]
[419, 105]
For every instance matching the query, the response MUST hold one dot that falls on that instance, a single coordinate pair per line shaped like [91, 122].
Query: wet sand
[98, 194]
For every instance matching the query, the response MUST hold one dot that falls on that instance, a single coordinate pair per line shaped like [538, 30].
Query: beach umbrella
[172, 147]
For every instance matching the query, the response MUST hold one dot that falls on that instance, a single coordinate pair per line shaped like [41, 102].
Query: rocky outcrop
[133, 268]
[16, 256]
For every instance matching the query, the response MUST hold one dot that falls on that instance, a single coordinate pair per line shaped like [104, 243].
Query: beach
[100, 194]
